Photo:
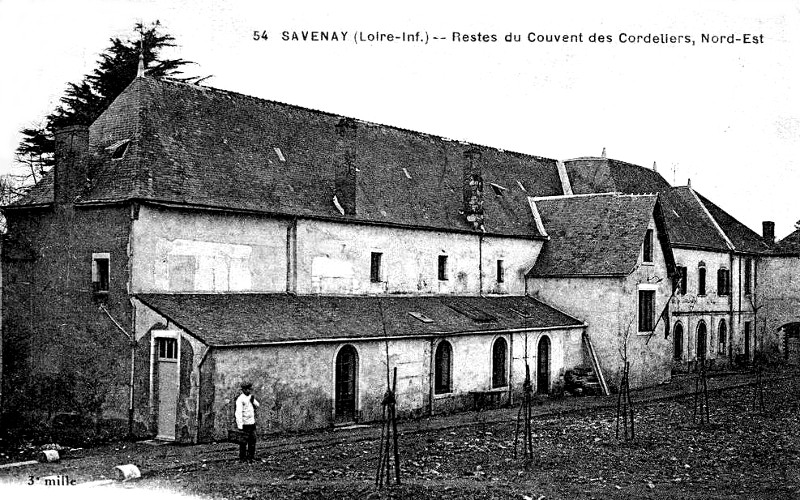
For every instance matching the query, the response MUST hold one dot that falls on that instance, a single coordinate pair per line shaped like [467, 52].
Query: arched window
[499, 362]
[701, 278]
[723, 337]
[701, 341]
[677, 352]
[443, 369]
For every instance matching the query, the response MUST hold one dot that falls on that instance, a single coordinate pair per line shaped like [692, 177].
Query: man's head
[247, 387]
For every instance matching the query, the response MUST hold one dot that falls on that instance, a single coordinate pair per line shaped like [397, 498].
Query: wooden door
[167, 365]
[543, 366]
[346, 370]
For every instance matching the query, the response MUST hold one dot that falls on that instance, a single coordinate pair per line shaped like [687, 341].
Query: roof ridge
[204, 88]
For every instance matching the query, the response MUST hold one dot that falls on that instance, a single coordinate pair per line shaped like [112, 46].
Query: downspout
[430, 379]
[200, 391]
[510, 369]
[739, 310]
[132, 342]
[480, 264]
[291, 257]
[729, 340]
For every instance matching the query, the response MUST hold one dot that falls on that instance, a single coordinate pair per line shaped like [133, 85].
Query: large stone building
[194, 238]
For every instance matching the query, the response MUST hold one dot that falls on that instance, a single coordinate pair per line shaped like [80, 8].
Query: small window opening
[167, 349]
[500, 271]
[100, 273]
[647, 300]
[375, 267]
[748, 270]
[442, 271]
[723, 282]
[701, 279]
[682, 276]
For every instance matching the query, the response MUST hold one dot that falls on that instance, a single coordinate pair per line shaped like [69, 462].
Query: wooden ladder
[596, 365]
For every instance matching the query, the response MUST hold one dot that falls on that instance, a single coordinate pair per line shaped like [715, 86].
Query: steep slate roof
[790, 245]
[690, 218]
[742, 237]
[201, 146]
[592, 235]
[236, 319]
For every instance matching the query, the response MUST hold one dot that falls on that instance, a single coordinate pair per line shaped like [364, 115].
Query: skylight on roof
[498, 189]
[420, 316]
[405, 171]
[521, 186]
[474, 313]
[280, 154]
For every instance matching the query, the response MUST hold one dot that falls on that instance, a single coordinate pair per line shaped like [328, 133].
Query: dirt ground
[743, 453]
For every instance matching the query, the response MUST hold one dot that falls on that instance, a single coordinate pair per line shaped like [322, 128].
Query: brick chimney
[72, 146]
[346, 175]
[473, 188]
[768, 231]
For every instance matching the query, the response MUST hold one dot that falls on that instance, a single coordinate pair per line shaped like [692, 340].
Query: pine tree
[83, 102]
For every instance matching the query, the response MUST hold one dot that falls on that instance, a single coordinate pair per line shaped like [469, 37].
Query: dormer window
[118, 149]
[647, 250]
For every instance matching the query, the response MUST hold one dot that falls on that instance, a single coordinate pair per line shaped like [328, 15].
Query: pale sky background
[726, 116]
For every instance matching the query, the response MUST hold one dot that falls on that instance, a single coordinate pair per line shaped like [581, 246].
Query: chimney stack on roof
[768, 231]
[654, 167]
[346, 174]
[473, 188]
[71, 148]
[603, 154]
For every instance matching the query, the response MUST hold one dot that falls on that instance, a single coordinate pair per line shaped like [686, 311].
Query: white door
[167, 364]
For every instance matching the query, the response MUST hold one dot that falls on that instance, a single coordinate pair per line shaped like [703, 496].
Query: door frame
[357, 377]
[154, 335]
[549, 363]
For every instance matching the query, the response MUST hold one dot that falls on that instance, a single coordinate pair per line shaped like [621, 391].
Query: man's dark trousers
[247, 450]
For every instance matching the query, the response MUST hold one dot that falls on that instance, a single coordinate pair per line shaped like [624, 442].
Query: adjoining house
[192, 238]
[778, 280]
[608, 261]
[714, 310]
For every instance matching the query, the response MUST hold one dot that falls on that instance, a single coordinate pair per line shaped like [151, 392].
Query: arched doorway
[443, 368]
[346, 378]
[543, 366]
[701, 341]
[677, 342]
[499, 362]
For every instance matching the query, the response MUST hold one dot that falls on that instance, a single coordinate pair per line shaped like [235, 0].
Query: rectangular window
[167, 349]
[375, 267]
[748, 270]
[701, 281]
[442, 268]
[682, 278]
[100, 272]
[723, 282]
[500, 272]
[647, 252]
[647, 307]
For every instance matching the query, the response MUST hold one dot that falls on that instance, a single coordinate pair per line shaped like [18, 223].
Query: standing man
[246, 405]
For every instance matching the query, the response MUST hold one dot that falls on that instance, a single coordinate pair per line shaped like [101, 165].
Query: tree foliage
[84, 101]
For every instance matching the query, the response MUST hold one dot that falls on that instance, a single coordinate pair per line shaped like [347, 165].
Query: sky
[725, 115]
